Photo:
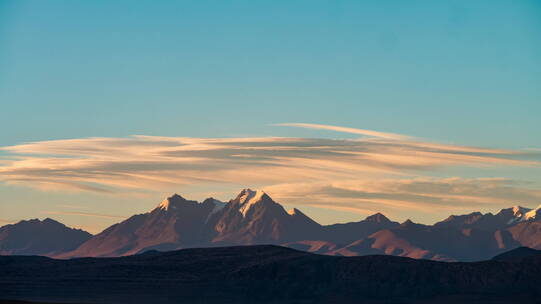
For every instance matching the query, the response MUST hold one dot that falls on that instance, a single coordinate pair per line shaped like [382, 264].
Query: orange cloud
[6, 221]
[346, 130]
[340, 171]
[426, 195]
[89, 214]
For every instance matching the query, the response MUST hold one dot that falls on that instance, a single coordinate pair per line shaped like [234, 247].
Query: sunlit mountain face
[253, 218]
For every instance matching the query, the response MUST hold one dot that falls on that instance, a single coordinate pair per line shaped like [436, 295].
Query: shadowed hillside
[268, 274]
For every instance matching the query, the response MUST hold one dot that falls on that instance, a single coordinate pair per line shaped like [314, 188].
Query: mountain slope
[254, 218]
[174, 223]
[251, 218]
[35, 237]
[527, 233]
[331, 238]
[432, 242]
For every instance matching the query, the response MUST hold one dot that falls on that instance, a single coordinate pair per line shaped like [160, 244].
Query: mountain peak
[50, 221]
[217, 205]
[410, 224]
[469, 218]
[521, 214]
[297, 213]
[515, 211]
[212, 200]
[248, 193]
[170, 202]
[40, 237]
[37, 221]
[518, 211]
[248, 197]
[378, 218]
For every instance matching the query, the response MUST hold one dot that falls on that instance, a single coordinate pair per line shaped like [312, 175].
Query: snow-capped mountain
[253, 217]
[174, 223]
[522, 214]
[526, 229]
[501, 220]
[248, 198]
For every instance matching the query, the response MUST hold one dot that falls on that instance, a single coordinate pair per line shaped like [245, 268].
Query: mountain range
[253, 218]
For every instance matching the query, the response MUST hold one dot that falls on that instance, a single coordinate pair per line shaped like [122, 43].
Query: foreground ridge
[267, 274]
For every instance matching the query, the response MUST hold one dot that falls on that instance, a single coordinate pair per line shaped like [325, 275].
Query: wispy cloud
[426, 195]
[89, 214]
[346, 130]
[71, 206]
[6, 221]
[150, 163]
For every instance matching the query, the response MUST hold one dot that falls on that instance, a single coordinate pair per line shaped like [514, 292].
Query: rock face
[527, 233]
[35, 237]
[253, 217]
[266, 274]
[174, 223]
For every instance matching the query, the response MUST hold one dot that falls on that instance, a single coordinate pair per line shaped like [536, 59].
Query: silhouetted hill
[25, 302]
[266, 274]
[517, 254]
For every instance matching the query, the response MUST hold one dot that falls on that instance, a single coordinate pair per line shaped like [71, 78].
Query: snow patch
[522, 214]
[248, 199]
[519, 211]
[531, 215]
[166, 205]
[170, 202]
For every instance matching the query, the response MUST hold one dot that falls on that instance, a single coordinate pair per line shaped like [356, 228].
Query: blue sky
[456, 72]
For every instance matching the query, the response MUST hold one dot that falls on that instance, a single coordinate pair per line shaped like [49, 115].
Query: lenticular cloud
[152, 163]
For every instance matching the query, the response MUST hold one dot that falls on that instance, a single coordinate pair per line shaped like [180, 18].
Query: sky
[417, 109]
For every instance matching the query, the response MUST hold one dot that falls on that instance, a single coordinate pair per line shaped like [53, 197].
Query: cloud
[346, 130]
[143, 164]
[6, 221]
[89, 214]
[425, 195]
